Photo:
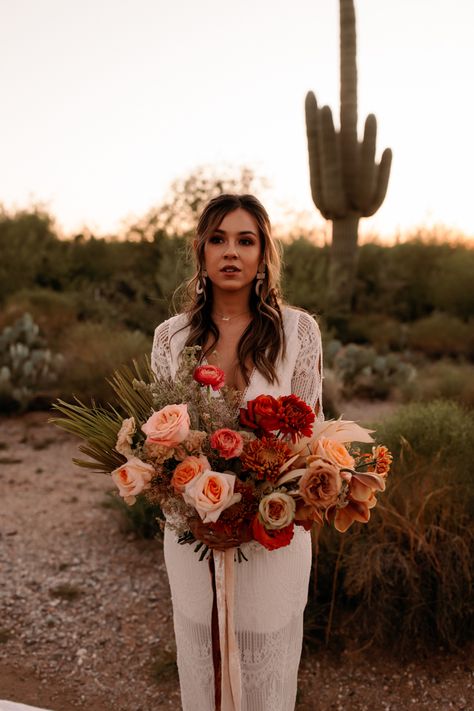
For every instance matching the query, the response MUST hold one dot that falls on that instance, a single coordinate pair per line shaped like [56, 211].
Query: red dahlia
[296, 417]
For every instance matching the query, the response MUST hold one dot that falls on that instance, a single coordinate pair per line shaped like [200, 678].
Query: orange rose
[333, 451]
[169, 426]
[187, 470]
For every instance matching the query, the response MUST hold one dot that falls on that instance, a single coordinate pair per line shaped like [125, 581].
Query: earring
[201, 283]
[260, 279]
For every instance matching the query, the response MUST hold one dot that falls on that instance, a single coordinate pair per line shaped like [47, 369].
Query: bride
[235, 314]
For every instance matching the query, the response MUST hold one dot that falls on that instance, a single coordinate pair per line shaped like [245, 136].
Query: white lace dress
[271, 588]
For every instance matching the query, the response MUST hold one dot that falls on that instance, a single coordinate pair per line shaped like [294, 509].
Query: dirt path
[85, 612]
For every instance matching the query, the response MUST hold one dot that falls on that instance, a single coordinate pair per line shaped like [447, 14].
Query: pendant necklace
[229, 318]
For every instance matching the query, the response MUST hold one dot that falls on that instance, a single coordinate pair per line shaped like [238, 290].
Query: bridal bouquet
[248, 473]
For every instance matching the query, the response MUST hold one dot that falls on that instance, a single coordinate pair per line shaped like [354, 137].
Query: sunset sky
[106, 102]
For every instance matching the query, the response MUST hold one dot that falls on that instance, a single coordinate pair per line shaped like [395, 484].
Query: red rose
[296, 417]
[209, 375]
[272, 539]
[261, 413]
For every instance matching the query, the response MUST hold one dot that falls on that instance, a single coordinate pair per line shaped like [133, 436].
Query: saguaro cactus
[346, 182]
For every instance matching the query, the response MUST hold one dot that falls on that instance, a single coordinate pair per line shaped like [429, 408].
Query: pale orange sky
[105, 102]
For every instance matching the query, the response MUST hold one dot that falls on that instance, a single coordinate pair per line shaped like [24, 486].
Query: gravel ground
[85, 611]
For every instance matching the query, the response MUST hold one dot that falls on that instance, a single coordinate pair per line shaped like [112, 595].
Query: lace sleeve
[307, 376]
[160, 353]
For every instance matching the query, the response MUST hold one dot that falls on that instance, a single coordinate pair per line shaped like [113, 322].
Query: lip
[235, 270]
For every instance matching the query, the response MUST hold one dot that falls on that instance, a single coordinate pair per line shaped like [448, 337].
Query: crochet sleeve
[160, 353]
[307, 376]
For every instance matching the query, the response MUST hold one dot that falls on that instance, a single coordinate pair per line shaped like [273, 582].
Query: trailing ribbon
[227, 658]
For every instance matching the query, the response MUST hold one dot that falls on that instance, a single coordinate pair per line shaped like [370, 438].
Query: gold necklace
[230, 318]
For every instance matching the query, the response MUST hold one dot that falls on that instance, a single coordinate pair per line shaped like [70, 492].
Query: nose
[231, 250]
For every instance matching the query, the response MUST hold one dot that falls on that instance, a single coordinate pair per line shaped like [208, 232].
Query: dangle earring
[260, 279]
[201, 283]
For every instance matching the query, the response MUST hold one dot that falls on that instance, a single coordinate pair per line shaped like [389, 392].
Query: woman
[235, 314]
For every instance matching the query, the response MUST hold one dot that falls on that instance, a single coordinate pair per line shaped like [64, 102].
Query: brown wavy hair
[263, 341]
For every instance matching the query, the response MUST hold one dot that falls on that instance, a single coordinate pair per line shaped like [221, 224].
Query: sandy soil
[85, 612]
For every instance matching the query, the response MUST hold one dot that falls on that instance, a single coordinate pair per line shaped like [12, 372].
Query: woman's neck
[230, 305]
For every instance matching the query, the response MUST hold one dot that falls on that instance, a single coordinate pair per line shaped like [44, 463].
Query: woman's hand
[215, 539]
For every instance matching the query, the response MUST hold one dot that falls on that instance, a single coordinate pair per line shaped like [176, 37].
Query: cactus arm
[348, 95]
[383, 175]
[333, 189]
[367, 166]
[313, 128]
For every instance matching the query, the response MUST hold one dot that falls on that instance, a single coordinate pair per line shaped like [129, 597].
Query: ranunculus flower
[334, 451]
[209, 375]
[211, 493]
[187, 470]
[261, 413]
[272, 539]
[228, 443]
[125, 437]
[132, 478]
[320, 484]
[169, 426]
[277, 510]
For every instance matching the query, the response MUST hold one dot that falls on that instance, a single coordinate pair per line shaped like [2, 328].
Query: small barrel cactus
[26, 364]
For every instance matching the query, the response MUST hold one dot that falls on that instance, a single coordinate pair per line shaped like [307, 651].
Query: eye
[215, 239]
[246, 241]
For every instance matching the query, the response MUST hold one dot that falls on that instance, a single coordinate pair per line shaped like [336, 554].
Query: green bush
[91, 353]
[405, 579]
[452, 286]
[53, 311]
[442, 335]
[382, 332]
[443, 379]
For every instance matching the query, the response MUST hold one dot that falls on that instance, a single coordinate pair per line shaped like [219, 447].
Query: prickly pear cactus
[26, 364]
[346, 182]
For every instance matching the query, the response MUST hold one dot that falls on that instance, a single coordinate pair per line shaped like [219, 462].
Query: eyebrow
[243, 232]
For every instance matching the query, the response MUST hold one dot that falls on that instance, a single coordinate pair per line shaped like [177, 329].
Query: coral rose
[132, 478]
[228, 443]
[320, 484]
[210, 493]
[125, 437]
[333, 451]
[277, 510]
[272, 539]
[169, 426]
[209, 375]
[187, 470]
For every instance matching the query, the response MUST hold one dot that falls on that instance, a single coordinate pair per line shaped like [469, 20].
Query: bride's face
[232, 253]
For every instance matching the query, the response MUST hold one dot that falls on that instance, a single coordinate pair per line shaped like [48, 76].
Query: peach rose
[132, 478]
[320, 484]
[125, 437]
[187, 470]
[227, 442]
[169, 426]
[277, 510]
[211, 493]
[333, 451]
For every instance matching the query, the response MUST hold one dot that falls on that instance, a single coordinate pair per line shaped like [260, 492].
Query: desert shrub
[305, 274]
[453, 286]
[443, 379]
[27, 366]
[382, 332]
[442, 335]
[91, 353]
[53, 311]
[365, 373]
[405, 578]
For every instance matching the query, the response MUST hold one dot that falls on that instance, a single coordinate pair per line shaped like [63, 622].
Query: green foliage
[27, 366]
[305, 280]
[364, 373]
[406, 577]
[442, 335]
[444, 379]
[452, 284]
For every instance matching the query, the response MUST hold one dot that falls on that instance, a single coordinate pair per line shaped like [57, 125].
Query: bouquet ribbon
[224, 593]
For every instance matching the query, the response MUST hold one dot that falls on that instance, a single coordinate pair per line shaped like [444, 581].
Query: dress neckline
[247, 387]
